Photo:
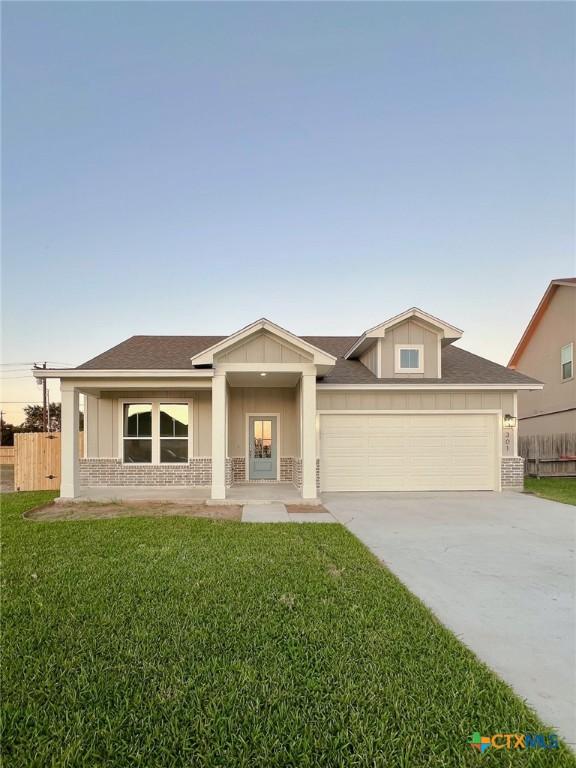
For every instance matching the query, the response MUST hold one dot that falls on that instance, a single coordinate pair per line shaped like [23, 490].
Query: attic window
[409, 358]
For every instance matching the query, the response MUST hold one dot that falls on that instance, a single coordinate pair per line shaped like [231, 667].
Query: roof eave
[119, 373]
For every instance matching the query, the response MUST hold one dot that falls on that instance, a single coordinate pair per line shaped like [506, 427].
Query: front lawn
[188, 642]
[556, 488]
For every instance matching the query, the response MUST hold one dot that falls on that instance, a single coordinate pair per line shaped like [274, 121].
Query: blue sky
[189, 167]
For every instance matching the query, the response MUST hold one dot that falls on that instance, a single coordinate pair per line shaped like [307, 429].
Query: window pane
[174, 450]
[257, 429]
[138, 451]
[174, 420]
[267, 430]
[567, 370]
[566, 354]
[409, 358]
[137, 420]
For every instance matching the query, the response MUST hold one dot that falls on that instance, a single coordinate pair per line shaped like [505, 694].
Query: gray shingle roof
[174, 352]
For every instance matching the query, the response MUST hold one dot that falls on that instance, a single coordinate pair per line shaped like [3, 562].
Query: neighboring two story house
[546, 352]
[397, 408]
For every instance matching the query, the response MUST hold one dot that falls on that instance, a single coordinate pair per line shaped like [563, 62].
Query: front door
[262, 448]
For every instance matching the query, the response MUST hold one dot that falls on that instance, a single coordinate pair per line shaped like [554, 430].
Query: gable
[448, 333]
[263, 347]
[411, 332]
[556, 306]
[287, 347]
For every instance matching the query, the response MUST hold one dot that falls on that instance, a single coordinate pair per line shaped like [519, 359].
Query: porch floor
[266, 493]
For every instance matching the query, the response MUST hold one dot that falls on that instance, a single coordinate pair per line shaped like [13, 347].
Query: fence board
[543, 454]
[37, 460]
[6, 454]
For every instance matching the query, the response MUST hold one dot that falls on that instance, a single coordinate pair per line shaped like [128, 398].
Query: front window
[409, 358]
[173, 432]
[155, 433]
[138, 433]
[567, 361]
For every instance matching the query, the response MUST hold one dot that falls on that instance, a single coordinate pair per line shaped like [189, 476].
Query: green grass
[187, 642]
[556, 488]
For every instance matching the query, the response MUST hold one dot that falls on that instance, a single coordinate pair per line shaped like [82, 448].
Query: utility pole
[1, 425]
[44, 406]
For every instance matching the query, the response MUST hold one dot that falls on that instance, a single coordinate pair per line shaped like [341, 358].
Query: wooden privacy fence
[549, 455]
[6, 454]
[37, 460]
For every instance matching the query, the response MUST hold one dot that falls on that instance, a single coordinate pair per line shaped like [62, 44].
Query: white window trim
[569, 346]
[397, 350]
[155, 402]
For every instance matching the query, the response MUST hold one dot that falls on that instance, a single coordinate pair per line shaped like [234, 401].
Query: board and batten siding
[410, 332]
[414, 401]
[370, 358]
[103, 419]
[263, 348]
[280, 400]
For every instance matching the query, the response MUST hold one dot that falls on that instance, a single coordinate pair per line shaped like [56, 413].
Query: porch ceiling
[253, 379]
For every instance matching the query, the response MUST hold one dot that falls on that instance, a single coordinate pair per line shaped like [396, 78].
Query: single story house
[396, 408]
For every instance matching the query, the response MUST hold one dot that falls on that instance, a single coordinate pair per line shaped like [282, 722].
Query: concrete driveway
[497, 569]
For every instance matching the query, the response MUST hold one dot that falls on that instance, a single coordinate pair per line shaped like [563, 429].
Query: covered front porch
[264, 434]
[245, 436]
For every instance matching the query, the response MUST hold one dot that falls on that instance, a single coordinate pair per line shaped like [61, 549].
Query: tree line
[34, 422]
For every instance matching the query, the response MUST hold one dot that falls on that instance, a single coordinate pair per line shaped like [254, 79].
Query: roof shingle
[174, 352]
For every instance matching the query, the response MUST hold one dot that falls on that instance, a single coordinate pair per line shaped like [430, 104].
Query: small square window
[409, 358]
[567, 362]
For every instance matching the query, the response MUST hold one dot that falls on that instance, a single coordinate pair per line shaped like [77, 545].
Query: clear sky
[187, 168]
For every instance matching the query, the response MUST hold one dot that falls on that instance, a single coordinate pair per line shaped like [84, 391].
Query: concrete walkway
[497, 569]
[277, 513]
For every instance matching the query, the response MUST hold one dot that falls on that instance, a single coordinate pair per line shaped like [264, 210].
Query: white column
[69, 469]
[219, 436]
[308, 436]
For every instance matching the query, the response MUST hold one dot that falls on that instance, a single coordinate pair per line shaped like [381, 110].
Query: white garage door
[408, 452]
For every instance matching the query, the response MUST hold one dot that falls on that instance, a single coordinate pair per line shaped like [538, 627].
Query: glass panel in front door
[262, 439]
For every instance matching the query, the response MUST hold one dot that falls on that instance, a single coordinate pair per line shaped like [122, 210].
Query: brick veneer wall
[239, 474]
[286, 463]
[512, 472]
[113, 472]
[297, 472]
[238, 469]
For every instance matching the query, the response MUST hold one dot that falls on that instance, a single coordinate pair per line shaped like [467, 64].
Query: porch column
[69, 467]
[219, 436]
[308, 436]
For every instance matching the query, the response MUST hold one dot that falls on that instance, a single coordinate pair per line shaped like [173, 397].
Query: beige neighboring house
[546, 352]
[395, 408]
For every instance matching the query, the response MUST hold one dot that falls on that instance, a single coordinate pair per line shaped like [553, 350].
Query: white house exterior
[398, 408]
